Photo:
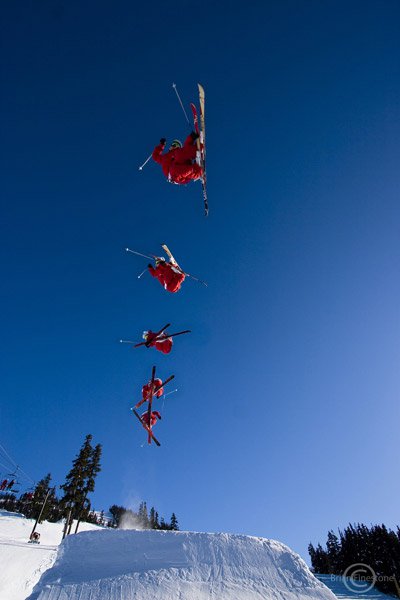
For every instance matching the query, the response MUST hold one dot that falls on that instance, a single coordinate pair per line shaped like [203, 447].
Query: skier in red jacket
[168, 274]
[146, 389]
[178, 163]
[155, 415]
[164, 344]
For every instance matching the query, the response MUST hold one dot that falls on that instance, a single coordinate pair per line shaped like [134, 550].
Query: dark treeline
[142, 519]
[42, 502]
[74, 503]
[375, 546]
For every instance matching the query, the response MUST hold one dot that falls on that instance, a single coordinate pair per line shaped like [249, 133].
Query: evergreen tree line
[42, 502]
[377, 547]
[75, 504]
[142, 519]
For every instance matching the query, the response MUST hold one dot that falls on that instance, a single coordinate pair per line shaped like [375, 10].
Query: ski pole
[126, 342]
[180, 101]
[172, 392]
[196, 279]
[145, 162]
[142, 273]
[139, 253]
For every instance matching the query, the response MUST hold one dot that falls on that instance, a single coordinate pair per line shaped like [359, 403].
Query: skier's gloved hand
[149, 265]
[194, 135]
[163, 141]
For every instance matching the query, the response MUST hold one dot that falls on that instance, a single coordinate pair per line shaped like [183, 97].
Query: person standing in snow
[155, 415]
[168, 274]
[178, 163]
[161, 343]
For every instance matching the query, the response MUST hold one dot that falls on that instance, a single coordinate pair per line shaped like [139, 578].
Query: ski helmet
[145, 335]
[175, 144]
[159, 259]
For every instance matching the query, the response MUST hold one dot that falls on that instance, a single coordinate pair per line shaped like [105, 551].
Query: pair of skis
[159, 336]
[155, 390]
[201, 141]
[150, 435]
[174, 262]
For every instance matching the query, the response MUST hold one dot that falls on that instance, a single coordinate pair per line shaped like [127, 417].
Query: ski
[143, 400]
[200, 143]
[170, 256]
[173, 261]
[149, 431]
[153, 374]
[202, 100]
[147, 344]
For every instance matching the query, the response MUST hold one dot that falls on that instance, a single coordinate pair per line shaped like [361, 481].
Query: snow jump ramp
[166, 565]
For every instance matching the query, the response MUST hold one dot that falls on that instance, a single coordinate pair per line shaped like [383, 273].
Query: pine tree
[79, 482]
[43, 491]
[154, 524]
[116, 512]
[143, 516]
[93, 469]
[333, 551]
[174, 523]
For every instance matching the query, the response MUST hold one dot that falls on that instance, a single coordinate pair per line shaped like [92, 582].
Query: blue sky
[285, 424]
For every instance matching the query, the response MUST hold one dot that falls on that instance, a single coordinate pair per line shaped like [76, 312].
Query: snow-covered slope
[21, 564]
[165, 565]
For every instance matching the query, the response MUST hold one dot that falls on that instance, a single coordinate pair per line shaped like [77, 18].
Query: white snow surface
[22, 564]
[167, 565]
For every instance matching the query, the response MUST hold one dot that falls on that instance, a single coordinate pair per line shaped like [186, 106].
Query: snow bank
[165, 565]
[22, 564]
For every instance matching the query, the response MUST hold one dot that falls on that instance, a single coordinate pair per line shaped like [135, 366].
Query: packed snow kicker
[161, 565]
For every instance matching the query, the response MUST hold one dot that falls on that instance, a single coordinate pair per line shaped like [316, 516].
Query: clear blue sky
[286, 420]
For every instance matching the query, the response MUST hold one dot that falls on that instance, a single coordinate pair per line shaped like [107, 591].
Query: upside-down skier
[155, 415]
[168, 274]
[179, 163]
[158, 389]
[161, 343]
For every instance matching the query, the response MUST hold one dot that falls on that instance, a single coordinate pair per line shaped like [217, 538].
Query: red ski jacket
[155, 415]
[177, 164]
[147, 387]
[163, 346]
[170, 277]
